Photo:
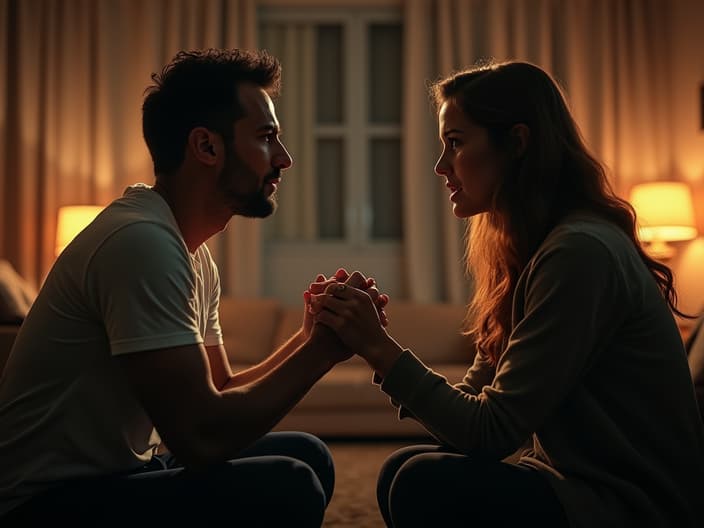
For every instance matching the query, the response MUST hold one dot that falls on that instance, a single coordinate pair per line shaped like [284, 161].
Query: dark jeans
[430, 485]
[284, 479]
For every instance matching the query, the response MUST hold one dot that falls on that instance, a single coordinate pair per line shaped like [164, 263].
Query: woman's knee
[410, 495]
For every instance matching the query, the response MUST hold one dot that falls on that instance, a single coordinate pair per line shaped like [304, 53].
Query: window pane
[329, 82]
[385, 73]
[330, 177]
[385, 188]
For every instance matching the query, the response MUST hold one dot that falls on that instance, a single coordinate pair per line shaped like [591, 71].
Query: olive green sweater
[595, 372]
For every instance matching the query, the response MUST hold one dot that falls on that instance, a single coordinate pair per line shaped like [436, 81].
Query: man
[124, 341]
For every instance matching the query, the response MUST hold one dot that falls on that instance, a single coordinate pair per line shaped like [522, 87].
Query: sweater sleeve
[564, 303]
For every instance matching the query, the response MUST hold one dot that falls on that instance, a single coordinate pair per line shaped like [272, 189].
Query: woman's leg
[390, 468]
[449, 489]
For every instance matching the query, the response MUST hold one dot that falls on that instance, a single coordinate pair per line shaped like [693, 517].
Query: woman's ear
[520, 135]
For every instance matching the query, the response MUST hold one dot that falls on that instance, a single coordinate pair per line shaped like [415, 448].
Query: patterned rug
[357, 465]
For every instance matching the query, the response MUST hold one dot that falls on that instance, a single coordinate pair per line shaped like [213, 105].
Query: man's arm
[203, 425]
[223, 377]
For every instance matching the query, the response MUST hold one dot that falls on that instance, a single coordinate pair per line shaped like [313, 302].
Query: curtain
[74, 74]
[296, 216]
[611, 57]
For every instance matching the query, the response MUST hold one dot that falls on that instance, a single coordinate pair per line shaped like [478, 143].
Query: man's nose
[283, 159]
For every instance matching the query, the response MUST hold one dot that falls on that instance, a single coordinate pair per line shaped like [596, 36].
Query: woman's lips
[454, 190]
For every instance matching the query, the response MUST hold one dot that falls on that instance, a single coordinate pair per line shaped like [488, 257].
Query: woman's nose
[440, 167]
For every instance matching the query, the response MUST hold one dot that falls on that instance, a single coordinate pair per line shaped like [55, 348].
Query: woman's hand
[353, 315]
[356, 280]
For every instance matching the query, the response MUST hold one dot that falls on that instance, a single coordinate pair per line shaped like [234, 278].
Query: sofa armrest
[8, 333]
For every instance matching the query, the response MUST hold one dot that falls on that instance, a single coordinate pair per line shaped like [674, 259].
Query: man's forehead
[257, 105]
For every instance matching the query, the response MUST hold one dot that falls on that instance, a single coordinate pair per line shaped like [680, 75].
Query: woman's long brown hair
[555, 176]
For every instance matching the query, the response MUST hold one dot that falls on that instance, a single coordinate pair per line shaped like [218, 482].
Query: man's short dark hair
[199, 88]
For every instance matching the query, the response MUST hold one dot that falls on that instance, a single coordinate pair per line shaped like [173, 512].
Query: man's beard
[252, 205]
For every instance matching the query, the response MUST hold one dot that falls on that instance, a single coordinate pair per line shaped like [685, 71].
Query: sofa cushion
[248, 327]
[433, 331]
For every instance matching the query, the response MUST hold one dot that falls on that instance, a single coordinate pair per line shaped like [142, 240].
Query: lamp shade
[665, 211]
[71, 221]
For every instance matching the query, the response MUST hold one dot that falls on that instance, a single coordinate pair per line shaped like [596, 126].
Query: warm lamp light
[72, 219]
[665, 214]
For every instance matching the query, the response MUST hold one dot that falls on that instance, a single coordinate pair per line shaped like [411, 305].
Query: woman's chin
[460, 212]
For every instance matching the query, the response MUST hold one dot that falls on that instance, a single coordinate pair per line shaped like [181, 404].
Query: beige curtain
[296, 217]
[611, 56]
[74, 73]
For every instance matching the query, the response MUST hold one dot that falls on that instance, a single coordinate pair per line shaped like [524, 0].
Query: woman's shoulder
[589, 231]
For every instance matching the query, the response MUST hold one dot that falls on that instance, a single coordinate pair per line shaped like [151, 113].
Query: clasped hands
[352, 307]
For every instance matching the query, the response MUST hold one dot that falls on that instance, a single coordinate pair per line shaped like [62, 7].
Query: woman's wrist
[383, 355]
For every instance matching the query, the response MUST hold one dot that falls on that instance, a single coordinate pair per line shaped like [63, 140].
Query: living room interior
[361, 193]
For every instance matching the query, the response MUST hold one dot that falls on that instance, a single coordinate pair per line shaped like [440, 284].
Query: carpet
[357, 466]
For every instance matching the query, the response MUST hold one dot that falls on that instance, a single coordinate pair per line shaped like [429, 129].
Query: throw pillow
[16, 295]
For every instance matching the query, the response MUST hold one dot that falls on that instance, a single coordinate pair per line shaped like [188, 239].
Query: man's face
[256, 157]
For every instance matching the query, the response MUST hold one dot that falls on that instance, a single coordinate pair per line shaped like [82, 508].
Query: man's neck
[195, 226]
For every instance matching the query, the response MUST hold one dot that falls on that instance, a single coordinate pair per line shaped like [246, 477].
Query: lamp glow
[665, 214]
[71, 221]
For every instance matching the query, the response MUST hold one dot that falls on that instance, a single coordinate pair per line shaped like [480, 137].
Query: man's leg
[302, 446]
[252, 490]
[294, 444]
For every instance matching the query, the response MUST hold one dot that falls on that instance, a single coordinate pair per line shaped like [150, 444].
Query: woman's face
[472, 166]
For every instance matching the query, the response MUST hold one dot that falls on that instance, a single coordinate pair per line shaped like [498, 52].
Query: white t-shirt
[126, 284]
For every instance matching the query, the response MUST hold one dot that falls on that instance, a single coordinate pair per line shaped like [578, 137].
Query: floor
[356, 468]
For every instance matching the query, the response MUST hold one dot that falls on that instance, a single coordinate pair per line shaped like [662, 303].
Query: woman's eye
[452, 143]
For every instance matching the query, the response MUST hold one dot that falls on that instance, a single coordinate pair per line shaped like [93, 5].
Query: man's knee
[303, 499]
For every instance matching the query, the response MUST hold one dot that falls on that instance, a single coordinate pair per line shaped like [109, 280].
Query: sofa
[344, 403]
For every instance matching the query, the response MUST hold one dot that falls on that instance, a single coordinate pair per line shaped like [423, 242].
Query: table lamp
[665, 213]
[71, 221]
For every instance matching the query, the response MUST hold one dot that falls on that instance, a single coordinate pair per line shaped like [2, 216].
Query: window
[340, 110]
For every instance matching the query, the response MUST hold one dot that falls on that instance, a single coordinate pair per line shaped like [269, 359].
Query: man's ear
[203, 145]
[520, 136]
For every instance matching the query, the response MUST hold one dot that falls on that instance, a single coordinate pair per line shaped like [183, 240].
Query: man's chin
[259, 209]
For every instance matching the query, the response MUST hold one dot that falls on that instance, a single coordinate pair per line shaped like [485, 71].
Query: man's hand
[352, 314]
[356, 280]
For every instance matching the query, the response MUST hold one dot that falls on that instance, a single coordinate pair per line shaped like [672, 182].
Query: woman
[578, 352]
